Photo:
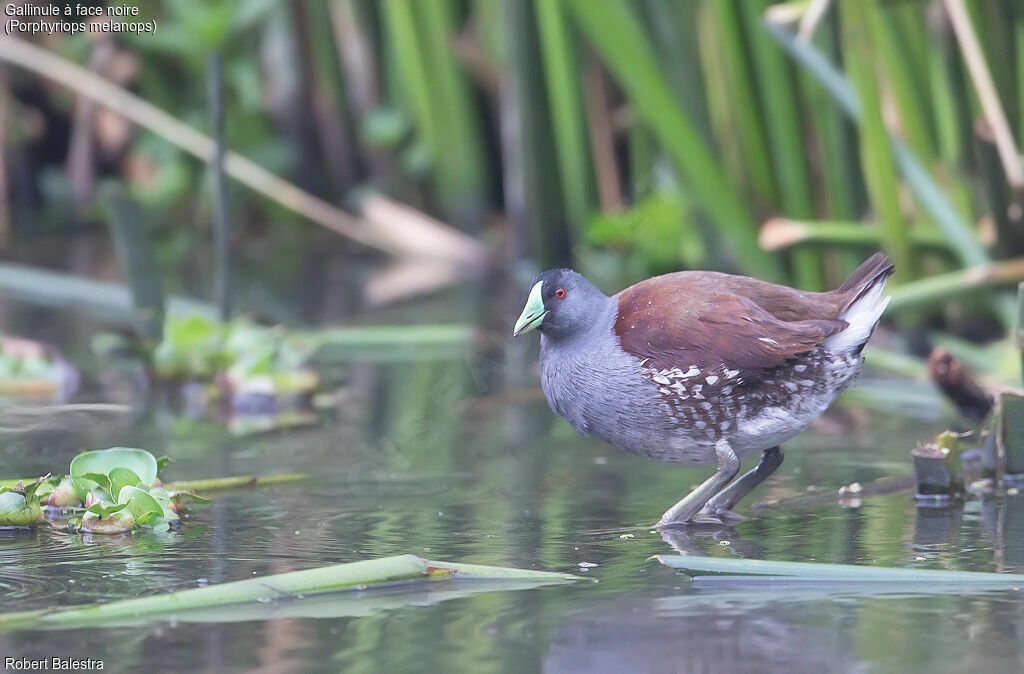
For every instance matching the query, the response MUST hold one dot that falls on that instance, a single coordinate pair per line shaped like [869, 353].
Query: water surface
[413, 461]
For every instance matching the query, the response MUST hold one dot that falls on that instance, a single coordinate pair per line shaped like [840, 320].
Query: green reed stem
[626, 50]
[561, 65]
[875, 152]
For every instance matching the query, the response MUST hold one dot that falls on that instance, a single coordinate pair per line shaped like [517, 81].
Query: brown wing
[713, 321]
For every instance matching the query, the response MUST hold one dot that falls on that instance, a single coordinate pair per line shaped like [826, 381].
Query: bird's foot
[721, 517]
[724, 518]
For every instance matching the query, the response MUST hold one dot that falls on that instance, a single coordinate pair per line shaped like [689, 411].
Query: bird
[701, 367]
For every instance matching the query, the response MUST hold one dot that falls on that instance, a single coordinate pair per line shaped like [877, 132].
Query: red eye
[560, 293]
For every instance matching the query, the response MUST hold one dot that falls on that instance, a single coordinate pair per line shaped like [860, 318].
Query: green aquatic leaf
[19, 505]
[103, 461]
[143, 506]
[165, 499]
[191, 347]
[30, 491]
[120, 478]
[16, 510]
[178, 498]
[99, 478]
[104, 510]
[809, 571]
[291, 587]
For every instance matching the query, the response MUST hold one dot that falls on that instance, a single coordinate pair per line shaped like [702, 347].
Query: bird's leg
[690, 505]
[725, 500]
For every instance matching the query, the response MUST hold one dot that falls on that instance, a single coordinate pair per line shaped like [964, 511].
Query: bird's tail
[864, 304]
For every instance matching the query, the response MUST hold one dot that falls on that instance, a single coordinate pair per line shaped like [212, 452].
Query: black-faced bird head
[561, 304]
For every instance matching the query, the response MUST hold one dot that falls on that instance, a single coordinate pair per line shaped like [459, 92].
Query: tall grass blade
[221, 225]
[1018, 39]
[741, 93]
[626, 50]
[777, 88]
[875, 153]
[722, 115]
[391, 343]
[889, 37]
[437, 96]
[461, 153]
[561, 63]
[674, 27]
[941, 288]
[997, 193]
[784, 233]
[135, 257]
[533, 200]
[931, 197]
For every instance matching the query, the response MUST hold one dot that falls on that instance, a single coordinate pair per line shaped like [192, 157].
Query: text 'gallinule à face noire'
[701, 367]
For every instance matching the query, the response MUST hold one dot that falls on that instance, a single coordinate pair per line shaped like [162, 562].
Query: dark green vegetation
[628, 139]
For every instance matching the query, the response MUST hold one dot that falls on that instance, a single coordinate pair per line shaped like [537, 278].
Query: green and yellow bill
[533, 313]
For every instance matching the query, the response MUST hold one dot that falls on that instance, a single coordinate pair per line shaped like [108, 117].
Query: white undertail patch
[862, 317]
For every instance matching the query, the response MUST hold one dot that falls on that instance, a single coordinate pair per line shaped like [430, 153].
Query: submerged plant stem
[236, 482]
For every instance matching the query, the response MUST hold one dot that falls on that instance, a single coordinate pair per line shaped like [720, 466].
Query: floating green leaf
[190, 347]
[104, 510]
[809, 571]
[99, 478]
[103, 461]
[142, 505]
[17, 510]
[19, 505]
[178, 498]
[292, 587]
[120, 478]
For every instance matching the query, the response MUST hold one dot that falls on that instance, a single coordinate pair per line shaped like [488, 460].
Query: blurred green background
[625, 138]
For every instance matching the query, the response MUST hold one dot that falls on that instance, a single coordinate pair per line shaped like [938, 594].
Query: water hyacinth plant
[111, 491]
[198, 348]
[19, 505]
[108, 491]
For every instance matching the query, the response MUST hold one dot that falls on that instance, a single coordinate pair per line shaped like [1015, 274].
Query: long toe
[708, 519]
[731, 518]
[719, 516]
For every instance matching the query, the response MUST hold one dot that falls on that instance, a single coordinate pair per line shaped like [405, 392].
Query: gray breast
[601, 391]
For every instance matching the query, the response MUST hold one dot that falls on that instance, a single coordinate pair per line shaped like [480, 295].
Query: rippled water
[414, 463]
